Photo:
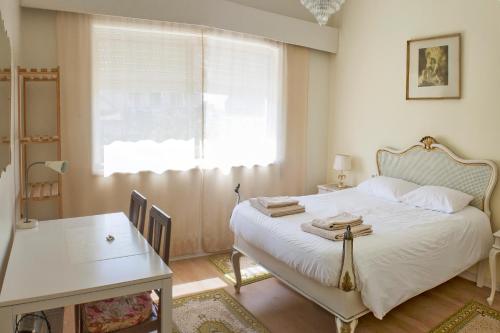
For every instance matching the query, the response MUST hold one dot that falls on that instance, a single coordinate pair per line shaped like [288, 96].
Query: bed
[411, 250]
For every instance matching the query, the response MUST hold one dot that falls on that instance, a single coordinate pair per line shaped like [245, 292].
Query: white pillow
[386, 187]
[442, 199]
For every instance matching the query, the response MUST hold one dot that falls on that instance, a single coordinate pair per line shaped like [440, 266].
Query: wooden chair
[137, 210]
[160, 228]
[159, 234]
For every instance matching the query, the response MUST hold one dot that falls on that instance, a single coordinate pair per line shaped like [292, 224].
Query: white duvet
[411, 250]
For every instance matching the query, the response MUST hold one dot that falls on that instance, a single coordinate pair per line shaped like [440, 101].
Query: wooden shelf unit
[40, 139]
[42, 191]
[45, 190]
[5, 77]
[5, 74]
[39, 74]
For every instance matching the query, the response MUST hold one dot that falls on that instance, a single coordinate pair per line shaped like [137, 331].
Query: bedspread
[410, 251]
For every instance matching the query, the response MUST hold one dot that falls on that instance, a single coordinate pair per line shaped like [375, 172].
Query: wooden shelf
[43, 74]
[50, 189]
[5, 74]
[4, 139]
[42, 191]
[40, 139]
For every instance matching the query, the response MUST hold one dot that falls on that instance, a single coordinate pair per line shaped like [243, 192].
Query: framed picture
[433, 67]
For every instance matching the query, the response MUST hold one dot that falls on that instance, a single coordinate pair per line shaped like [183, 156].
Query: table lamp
[342, 163]
[57, 166]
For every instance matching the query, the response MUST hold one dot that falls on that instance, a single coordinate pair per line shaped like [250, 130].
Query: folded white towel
[278, 211]
[337, 235]
[340, 221]
[275, 202]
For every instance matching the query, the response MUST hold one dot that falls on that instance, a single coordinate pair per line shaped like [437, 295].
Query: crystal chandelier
[322, 9]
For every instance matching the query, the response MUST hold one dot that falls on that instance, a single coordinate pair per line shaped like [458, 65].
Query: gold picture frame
[434, 67]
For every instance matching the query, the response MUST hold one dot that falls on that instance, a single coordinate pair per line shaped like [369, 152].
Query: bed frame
[425, 163]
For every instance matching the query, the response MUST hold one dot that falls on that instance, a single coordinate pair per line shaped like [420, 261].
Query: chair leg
[159, 306]
[235, 260]
[78, 327]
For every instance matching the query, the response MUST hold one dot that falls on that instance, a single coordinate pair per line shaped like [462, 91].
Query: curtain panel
[200, 201]
[179, 96]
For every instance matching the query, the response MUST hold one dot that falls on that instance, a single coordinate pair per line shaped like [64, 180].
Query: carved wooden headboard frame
[431, 163]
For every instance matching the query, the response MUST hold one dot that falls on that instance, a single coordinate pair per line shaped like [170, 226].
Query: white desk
[68, 261]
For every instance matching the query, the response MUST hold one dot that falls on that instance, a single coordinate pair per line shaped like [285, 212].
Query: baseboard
[189, 256]
[471, 275]
[198, 255]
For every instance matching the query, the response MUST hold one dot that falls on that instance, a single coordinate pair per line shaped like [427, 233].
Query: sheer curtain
[172, 97]
[200, 200]
[242, 99]
[146, 92]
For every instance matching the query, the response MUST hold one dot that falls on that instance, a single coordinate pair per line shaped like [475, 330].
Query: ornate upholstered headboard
[430, 163]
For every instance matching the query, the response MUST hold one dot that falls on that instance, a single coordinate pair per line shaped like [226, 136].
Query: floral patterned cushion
[117, 313]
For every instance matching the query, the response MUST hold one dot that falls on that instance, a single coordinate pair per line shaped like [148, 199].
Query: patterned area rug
[213, 312]
[474, 317]
[250, 271]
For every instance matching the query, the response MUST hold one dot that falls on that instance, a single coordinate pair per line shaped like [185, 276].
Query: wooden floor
[282, 310]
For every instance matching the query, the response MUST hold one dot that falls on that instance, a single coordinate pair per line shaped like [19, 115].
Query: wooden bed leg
[235, 260]
[345, 327]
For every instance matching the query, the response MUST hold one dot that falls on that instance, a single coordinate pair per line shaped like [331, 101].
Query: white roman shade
[173, 97]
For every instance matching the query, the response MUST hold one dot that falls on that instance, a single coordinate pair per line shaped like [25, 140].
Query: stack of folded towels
[334, 227]
[277, 206]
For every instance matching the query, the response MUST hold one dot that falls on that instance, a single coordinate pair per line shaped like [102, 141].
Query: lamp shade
[342, 162]
[57, 166]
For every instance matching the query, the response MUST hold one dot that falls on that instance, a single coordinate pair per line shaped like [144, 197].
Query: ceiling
[291, 8]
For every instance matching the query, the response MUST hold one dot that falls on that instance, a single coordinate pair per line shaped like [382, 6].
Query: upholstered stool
[118, 313]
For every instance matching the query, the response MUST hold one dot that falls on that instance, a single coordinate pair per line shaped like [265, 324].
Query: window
[169, 96]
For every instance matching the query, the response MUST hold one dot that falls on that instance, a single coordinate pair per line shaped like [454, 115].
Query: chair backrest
[137, 210]
[160, 226]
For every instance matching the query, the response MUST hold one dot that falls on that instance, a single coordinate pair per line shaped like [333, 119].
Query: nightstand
[493, 266]
[327, 188]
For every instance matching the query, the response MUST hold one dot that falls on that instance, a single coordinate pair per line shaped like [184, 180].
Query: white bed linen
[411, 250]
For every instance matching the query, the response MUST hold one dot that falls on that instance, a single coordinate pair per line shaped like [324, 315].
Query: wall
[38, 43]
[8, 180]
[220, 14]
[368, 108]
